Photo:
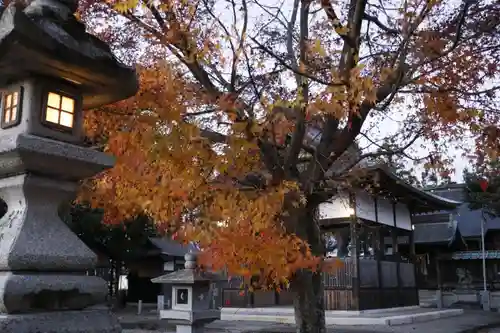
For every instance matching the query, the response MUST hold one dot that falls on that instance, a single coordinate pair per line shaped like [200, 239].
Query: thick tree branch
[303, 93]
[335, 21]
[349, 133]
[214, 137]
[331, 141]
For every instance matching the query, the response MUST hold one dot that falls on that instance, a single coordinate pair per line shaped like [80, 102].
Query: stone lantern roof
[45, 39]
[189, 275]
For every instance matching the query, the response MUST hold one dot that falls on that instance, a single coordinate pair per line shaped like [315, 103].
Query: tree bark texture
[308, 286]
[309, 302]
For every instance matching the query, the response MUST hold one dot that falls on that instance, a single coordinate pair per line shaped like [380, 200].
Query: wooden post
[379, 257]
[250, 298]
[396, 258]
[396, 255]
[439, 294]
[139, 306]
[379, 254]
[413, 258]
[355, 263]
[364, 238]
[354, 254]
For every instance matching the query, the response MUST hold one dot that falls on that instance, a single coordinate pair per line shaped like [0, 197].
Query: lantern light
[11, 108]
[60, 110]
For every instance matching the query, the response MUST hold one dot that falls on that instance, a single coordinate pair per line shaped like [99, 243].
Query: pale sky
[388, 126]
[392, 122]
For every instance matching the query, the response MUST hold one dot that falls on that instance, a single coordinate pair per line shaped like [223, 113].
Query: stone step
[291, 311]
[391, 318]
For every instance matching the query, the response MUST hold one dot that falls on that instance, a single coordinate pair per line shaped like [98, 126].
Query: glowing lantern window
[60, 110]
[11, 108]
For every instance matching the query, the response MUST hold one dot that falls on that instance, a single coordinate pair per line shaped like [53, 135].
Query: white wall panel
[365, 206]
[403, 219]
[385, 211]
[337, 207]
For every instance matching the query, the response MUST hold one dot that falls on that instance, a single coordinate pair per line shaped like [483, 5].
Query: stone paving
[470, 322]
[491, 330]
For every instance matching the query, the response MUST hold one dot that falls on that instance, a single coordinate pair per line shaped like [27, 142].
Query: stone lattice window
[60, 110]
[11, 108]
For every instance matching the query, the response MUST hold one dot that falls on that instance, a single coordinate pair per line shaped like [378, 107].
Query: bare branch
[436, 89]
[238, 51]
[379, 24]
[289, 40]
[295, 70]
[383, 152]
[460, 24]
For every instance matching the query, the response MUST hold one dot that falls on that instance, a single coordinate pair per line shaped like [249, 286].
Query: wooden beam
[395, 253]
[355, 257]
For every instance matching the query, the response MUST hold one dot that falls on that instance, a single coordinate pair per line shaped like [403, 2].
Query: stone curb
[290, 311]
[350, 320]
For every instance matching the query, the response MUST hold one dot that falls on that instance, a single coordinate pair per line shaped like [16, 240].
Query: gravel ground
[469, 322]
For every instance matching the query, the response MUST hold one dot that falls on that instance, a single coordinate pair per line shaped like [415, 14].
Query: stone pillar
[43, 286]
[485, 300]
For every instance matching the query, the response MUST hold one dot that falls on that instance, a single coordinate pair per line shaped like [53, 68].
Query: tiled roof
[172, 248]
[468, 221]
[436, 217]
[443, 232]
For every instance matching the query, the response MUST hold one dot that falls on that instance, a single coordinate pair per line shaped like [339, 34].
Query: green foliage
[489, 200]
[118, 241]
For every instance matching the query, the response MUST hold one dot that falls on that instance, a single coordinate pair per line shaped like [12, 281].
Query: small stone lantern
[50, 70]
[191, 299]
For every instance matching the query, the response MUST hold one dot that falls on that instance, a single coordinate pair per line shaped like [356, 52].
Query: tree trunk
[307, 285]
[309, 302]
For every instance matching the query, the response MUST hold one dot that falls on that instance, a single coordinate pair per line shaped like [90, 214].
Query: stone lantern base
[84, 321]
[43, 283]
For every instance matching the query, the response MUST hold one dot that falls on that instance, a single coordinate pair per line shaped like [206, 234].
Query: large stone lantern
[50, 70]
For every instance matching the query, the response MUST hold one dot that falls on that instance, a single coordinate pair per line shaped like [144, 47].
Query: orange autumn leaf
[212, 144]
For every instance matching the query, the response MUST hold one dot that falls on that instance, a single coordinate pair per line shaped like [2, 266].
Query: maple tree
[250, 114]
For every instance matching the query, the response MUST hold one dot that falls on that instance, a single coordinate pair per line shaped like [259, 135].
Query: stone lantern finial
[60, 10]
[190, 260]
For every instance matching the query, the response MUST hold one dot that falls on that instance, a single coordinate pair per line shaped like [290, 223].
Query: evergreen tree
[483, 187]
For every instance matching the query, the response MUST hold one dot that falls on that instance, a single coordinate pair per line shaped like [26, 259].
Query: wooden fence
[382, 284]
